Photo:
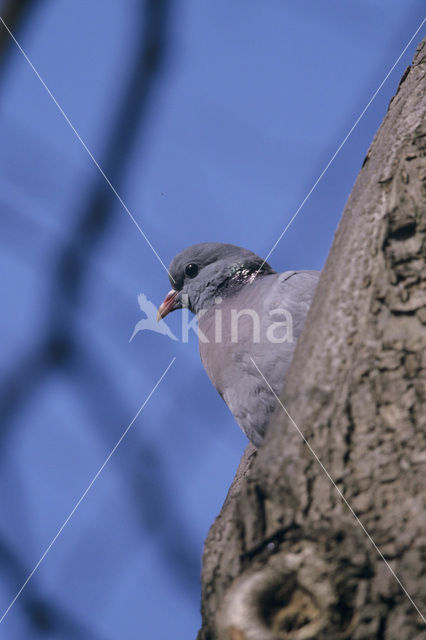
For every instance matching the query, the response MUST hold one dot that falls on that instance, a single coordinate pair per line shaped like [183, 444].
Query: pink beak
[167, 306]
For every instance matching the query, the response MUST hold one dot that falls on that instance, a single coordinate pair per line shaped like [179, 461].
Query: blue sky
[254, 99]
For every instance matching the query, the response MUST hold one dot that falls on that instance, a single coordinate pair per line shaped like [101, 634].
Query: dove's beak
[169, 304]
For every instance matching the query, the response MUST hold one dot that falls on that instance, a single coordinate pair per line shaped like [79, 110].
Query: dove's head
[203, 271]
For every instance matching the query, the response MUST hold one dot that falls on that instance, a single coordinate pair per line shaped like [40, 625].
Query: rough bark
[286, 558]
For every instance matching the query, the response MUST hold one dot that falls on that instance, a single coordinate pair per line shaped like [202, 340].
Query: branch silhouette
[15, 13]
[45, 615]
[56, 348]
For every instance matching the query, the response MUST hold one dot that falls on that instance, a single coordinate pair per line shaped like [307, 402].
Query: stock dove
[249, 319]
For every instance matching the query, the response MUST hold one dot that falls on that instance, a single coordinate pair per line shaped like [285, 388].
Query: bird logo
[150, 322]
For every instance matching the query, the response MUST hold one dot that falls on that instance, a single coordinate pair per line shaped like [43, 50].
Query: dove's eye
[191, 270]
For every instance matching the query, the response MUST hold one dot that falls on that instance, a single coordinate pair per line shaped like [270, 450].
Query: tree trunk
[286, 557]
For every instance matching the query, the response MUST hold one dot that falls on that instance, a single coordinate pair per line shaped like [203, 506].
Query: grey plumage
[245, 310]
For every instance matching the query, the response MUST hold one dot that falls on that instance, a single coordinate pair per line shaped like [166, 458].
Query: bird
[249, 320]
[149, 323]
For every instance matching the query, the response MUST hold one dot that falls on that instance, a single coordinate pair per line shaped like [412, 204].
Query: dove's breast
[238, 331]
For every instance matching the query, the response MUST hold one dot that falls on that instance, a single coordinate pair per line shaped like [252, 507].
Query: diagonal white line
[339, 148]
[342, 496]
[92, 482]
[84, 145]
